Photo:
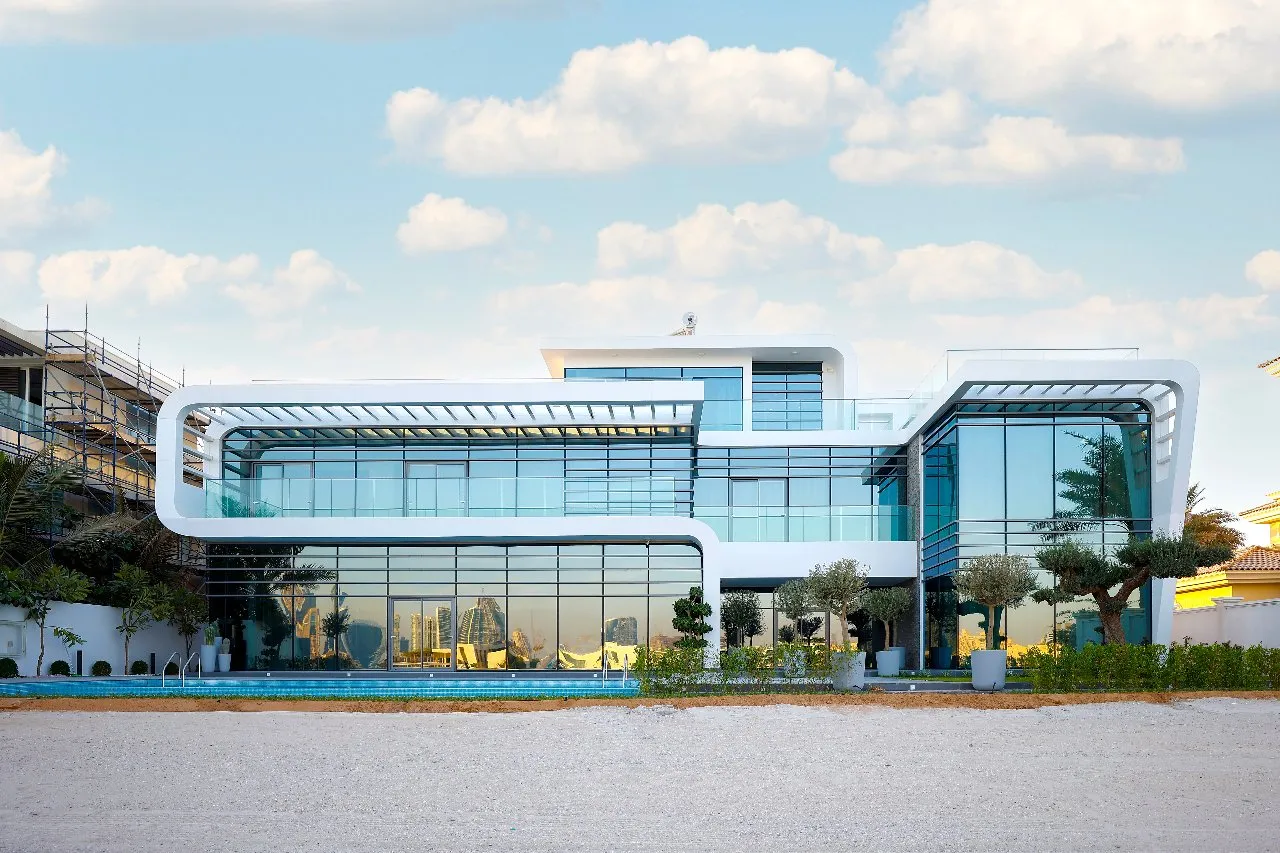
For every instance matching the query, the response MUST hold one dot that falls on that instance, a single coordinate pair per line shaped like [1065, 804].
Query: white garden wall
[96, 624]
[1231, 620]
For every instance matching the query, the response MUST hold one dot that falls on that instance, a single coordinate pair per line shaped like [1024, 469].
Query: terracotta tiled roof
[1252, 559]
[1272, 366]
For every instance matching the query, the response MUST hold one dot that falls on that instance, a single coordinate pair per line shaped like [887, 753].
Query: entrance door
[421, 633]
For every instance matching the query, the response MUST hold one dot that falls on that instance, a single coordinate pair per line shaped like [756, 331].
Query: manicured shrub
[1217, 666]
[139, 667]
[59, 667]
[8, 668]
[171, 668]
[100, 668]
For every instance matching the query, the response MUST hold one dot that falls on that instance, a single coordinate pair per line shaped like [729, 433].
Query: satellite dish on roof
[689, 322]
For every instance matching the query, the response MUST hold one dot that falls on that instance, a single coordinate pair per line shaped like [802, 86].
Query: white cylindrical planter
[224, 662]
[208, 658]
[889, 661]
[988, 668]
[848, 670]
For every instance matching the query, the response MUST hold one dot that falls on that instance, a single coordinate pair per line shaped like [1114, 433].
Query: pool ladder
[182, 669]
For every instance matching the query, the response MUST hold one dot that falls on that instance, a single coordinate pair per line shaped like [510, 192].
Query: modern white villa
[551, 524]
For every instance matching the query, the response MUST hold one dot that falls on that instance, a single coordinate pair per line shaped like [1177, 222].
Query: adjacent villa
[551, 524]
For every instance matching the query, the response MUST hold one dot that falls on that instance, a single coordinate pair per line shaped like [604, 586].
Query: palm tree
[1210, 526]
[31, 505]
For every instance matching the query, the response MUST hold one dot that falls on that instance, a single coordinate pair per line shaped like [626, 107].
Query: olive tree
[837, 588]
[1081, 571]
[995, 581]
[887, 604]
[740, 616]
[793, 601]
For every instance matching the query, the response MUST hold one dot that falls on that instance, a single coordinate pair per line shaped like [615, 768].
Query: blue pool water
[329, 688]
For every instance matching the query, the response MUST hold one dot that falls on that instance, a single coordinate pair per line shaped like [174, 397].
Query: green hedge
[1220, 666]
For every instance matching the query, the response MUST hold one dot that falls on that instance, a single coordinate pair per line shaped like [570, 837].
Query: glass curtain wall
[786, 395]
[1012, 478]
[397, 472]
[541, 607]
[803, 494]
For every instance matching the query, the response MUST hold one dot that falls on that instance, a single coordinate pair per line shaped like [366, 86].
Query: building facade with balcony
[552, 524]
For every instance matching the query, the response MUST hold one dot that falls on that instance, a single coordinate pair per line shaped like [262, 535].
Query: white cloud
[16, 270]
[291, 287]
[26, 192]
[779, 241]
[646, 305]
[1104, 321]
[757, 237]
[106, 276]
[438, 224]
[149, 20]
[98, 276]
[974, 270]
[617, 107]
[1008, 149]
[1263, 270]
[1175, 55]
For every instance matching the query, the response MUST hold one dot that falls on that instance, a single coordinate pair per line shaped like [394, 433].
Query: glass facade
[786, 395]
[1009, 478]
[345, 472]
[746, 494]
[447, 607]
[721, 387]
[803, 494]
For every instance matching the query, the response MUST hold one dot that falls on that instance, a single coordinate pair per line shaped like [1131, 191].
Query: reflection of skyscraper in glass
[484, 626]
[624, 630]
[431, 634]
[444, 625]
[415, 632]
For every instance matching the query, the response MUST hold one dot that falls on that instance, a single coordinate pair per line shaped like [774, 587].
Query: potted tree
[994, 581]
[209, 651]
[838, 587]
[792, 601]
[887, 604]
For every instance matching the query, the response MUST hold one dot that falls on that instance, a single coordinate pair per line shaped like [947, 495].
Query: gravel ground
[1200, 775]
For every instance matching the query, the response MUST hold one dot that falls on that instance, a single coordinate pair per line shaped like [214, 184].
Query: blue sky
[234, 183]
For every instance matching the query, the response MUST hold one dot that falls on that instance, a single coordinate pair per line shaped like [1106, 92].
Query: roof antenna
[690, 326]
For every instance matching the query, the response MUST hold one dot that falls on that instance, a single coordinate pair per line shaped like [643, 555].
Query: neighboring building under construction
[91, 406]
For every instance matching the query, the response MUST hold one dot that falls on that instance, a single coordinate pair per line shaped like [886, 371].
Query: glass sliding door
[421, 633]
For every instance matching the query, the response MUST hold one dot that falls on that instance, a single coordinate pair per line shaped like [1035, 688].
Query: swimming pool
[328, 688]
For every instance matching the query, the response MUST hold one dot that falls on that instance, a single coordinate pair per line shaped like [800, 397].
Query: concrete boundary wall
[1230, 620]
[96, 624]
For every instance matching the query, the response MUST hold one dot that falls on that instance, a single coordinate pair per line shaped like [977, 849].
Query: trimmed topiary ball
[171, 668]
[100, 668]
[8, 668]
[59, 667]
[138, 667]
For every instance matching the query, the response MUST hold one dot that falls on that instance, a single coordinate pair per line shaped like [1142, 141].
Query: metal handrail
[199, 670]
[166, 666]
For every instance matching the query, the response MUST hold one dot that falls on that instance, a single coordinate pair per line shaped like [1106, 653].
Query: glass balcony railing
[889, 523]
[767, 414]
[19, 415]
[548, 497]
[472, 497]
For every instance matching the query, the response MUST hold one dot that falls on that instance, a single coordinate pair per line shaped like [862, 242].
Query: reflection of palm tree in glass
[1110, 484]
